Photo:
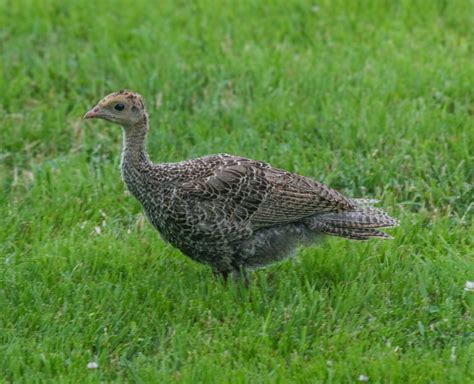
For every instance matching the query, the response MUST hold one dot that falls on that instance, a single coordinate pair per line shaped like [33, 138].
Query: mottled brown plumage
[230, 212]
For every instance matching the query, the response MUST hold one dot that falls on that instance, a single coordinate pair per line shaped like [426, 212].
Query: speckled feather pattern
[234, 213]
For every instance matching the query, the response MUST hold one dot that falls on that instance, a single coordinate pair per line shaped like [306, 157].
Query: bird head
[123, 107]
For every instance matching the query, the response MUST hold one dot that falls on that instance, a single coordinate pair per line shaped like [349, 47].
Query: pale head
[123, 107]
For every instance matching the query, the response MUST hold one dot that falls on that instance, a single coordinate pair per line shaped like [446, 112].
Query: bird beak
[93, 113]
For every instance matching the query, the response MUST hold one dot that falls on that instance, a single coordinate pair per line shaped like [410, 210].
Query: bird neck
[134, 144]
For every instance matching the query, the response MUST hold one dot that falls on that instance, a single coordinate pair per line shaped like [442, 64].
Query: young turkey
[230, 212]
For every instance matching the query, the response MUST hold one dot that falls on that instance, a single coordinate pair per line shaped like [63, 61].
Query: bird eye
[119, 107]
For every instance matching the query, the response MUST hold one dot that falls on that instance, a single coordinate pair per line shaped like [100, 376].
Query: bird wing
[294, 197]
[253, 191]
[235, 183]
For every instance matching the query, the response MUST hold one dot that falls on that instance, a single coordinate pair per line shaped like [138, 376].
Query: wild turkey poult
[230, 212]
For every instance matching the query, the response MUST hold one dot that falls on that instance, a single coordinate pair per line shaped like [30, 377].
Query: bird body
[231, 212]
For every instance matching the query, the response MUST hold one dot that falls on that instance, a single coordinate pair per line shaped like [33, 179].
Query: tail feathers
[362, 202]
[366, 217]
[353, 233]
[357, 224]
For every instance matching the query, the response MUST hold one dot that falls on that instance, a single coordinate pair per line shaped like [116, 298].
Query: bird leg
[223, 274]
[240, 276]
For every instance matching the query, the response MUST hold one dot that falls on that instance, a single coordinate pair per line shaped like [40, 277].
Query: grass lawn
[374, 98]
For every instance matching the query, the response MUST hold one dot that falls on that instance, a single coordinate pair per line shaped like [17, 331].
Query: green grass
[374, 98]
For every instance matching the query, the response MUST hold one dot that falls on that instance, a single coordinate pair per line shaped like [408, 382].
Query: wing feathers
[271, 196]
